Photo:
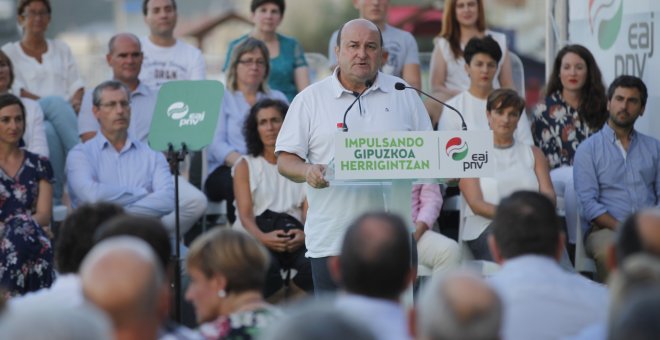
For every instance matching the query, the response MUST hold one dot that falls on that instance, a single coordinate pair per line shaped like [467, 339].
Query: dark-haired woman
[258, 187]
[573, 109]
[26, 255]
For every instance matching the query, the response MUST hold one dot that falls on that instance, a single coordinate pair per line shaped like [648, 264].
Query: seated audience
[227, 271]
[122, 277]
[573, 109]
[45, 70]
[26, 253]
[518, 166]
[616, 170]
[482, 56]
[116, 167]
[288, 67]
[459, 305]
[34, 138]
[75, 240]
[541, 299]
[270, 207]
[434, 250]
[247, 74]
[374, 269]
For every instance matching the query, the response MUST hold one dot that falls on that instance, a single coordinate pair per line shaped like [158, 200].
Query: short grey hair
[111, 42]
[108, 85]
[637, 272]
[438, 318]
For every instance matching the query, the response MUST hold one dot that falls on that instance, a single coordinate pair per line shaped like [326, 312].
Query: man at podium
[305, 144]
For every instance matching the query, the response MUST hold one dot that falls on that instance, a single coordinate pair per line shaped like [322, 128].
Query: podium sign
[186, 112]
[413, 155]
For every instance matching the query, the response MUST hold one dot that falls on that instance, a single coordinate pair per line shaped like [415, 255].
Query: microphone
[401, 86]
[367, 85]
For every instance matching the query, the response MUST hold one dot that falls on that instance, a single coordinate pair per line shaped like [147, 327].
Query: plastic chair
[518, 72]
[583, 263]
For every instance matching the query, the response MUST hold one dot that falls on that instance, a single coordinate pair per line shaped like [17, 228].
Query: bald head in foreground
[122, 276]
[459, 305]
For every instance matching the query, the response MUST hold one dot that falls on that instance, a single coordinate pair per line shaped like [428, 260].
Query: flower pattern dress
[240, 326]
[26, 254]
[558, 130]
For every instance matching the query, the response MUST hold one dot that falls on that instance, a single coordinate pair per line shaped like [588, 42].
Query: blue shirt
[136, 178]
[229, 131]
[143, 104]
[608, 182]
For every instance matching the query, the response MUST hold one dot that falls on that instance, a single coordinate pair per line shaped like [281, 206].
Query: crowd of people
[574, 168]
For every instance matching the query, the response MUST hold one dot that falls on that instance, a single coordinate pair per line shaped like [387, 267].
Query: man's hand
[314, 176]
[275, 240]
[297, 240]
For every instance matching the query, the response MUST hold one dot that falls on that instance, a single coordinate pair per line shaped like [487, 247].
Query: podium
[397, 160]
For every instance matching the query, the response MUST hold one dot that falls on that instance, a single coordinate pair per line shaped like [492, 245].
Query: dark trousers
[219, 186]
[479, 246]
[323, 282]
[286, 261]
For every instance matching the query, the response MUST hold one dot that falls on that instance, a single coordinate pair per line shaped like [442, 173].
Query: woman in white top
[45, 70]
[517, 167]
[258, 187]
[462, 21]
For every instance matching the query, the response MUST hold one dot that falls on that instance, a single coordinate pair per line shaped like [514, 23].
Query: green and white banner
[413, 155]
[186, 112]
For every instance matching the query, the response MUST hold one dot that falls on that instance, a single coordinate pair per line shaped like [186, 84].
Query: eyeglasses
[250, 62]
[31, 14]
[111, 105]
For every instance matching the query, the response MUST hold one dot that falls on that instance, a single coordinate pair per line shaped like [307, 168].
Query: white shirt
[56, 75]
[180, 61]
[143, 104]
[35, 135]
[308, 131]
[385, 319]
[543, 301]
[400, 45]
[474, 113]
[457, 78]
[66, 291]
[270, 190]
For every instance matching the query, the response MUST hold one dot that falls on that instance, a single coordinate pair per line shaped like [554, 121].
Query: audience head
[160, 16]
[481, 58]
[267, 14]
[375, 259]
[626, 102]
[221, 264]
[39, 321]
[458, 14]
[255, 4]
[125, 57]
[34, 10]
[525, 223]
[262, 124]
[122, 277]
[458, 306]
[353, 38]
[637, 272]
[12, 118]
[576, 70]
[112, 106]
[249, 65]
[373, 10]
[6, 72]
[76, 234]
[503, 110]
[148, 229]
[318, 320]
[639, 233]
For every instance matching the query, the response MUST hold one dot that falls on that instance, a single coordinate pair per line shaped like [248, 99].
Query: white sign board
[413, 155]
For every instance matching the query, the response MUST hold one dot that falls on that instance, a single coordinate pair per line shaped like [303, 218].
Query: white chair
[583, 263]
[518, 73]
[486, 268]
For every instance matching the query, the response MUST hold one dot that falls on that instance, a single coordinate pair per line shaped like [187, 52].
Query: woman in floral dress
[26, 255]
[575, 107]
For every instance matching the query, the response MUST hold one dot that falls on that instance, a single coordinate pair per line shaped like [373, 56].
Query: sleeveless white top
[514, 171]
[270, 190]
[457, 78]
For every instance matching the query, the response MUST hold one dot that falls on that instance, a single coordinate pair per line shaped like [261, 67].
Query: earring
[222, 293]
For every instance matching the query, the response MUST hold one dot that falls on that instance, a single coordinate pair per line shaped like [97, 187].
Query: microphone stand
[401, 86]
[177, 157]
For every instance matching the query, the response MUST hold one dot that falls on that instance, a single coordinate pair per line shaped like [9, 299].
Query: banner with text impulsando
[413, 155]
[186, 112]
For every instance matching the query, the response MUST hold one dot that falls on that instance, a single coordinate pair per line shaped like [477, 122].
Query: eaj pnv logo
[456, 148]
[180, 111]
[605, 18]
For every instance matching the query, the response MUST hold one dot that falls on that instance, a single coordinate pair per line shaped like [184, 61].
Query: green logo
[608, 28]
